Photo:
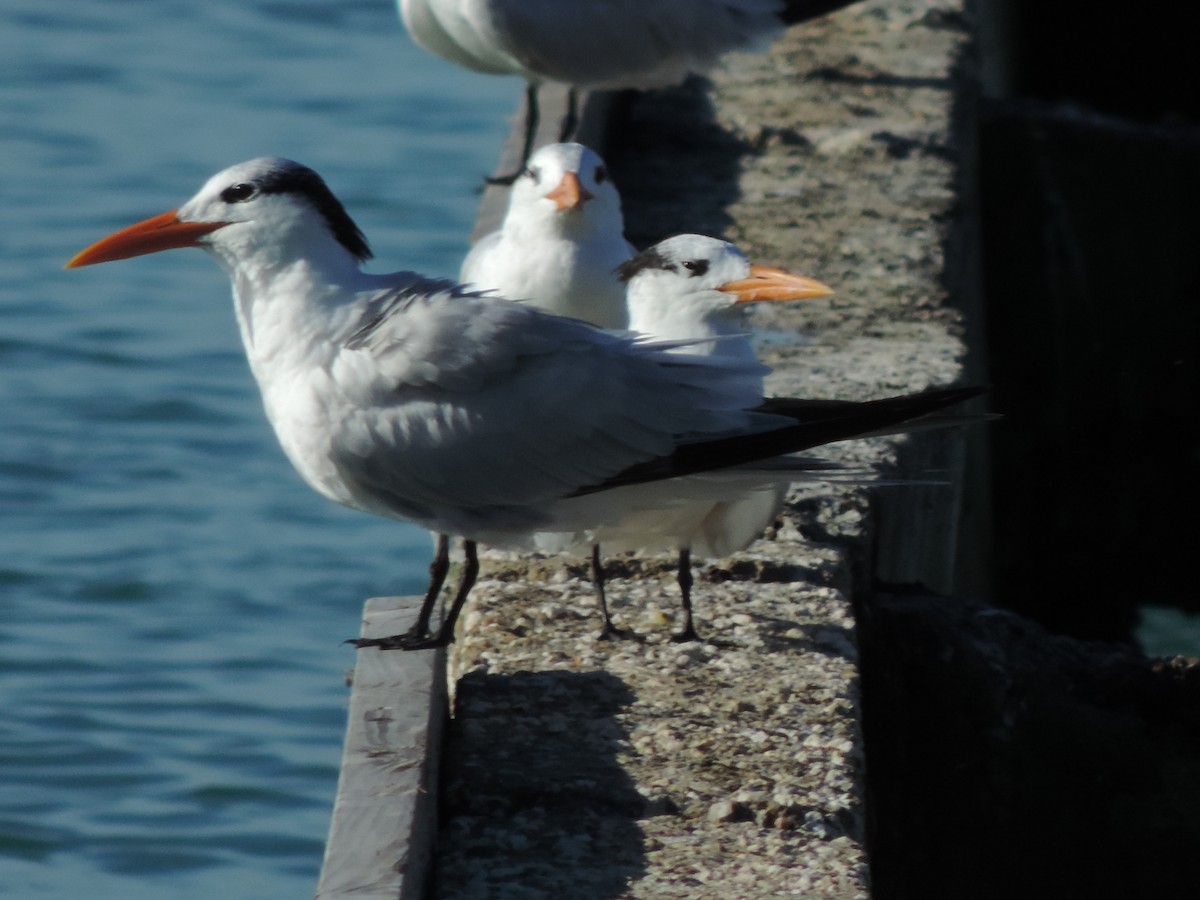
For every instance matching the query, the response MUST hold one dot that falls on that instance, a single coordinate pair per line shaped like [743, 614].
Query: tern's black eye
[238, 193]
[533, 173]
[696, 267]
[601, 174]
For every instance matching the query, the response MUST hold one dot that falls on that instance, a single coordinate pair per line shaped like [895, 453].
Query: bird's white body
[558, 249]
[474, 415]
[420, 400]
[591, 43]
[668, 300]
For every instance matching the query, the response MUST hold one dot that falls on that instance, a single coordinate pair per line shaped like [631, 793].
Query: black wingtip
[796, 11]
[815, 423]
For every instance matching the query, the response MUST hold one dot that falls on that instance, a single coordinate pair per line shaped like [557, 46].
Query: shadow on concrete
[538, 797]
[1094, 364]
[880, 79]
[676, 168]
[1006, 762]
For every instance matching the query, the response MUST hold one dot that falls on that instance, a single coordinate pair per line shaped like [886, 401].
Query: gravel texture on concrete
[734, 767]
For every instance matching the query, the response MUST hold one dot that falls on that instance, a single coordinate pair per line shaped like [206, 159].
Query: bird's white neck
[291, 307]
[688, 318]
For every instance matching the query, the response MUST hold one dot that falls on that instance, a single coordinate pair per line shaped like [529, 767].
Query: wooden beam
[385, 816]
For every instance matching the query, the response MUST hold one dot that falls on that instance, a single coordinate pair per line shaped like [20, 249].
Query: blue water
[172, 597]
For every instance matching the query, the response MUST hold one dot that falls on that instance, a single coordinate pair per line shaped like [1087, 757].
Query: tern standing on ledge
[562, 248]
[696, 289]
[415, 399]
[558, 248]
[561, 241]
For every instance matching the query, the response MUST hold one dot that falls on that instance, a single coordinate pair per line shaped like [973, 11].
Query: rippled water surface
[172, 597]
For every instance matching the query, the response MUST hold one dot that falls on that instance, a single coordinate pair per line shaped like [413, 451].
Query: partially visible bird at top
[597, 44]
[693, 289]
[561, 241]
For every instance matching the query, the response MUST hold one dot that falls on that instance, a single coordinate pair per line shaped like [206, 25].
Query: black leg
[418, 637]
[685, 589]
[438, 567]
[531, 125]
[571, 120]
[608, 631]
[445, 634]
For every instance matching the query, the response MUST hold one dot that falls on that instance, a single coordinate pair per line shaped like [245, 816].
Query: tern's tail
[814, 423]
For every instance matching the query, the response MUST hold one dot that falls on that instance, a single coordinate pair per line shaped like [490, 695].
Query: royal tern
[696, 289]
[413, 398]
[597, 45]
[561, 241]
[558, 248]
[562, 248]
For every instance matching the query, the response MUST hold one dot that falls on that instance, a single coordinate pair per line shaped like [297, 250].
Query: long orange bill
[569, 194]
[163, 232]
[766, 283]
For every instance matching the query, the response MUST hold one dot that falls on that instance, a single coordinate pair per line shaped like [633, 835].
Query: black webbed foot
[413, 639]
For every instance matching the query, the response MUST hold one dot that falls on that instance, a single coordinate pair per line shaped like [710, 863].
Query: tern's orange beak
[766, 283]
[163, 232]
[569, 194]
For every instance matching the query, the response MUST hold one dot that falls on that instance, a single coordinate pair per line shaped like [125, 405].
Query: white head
[270, 210]
[692, 286]
[565, 187]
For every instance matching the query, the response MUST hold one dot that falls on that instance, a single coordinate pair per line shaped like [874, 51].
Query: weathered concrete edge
[384, 822]
[896, 549]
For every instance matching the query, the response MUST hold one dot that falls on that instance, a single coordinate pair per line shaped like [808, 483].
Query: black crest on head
[292, 178]
[653, 259]
[647, 259]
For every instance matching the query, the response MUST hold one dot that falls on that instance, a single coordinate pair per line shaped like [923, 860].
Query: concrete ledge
[646, 769]
[588, 769]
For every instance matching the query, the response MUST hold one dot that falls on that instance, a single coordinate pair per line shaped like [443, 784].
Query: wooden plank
[385, 816]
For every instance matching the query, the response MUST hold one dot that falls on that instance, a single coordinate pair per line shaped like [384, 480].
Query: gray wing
[470, 401]
[625, 43]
